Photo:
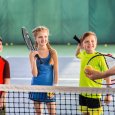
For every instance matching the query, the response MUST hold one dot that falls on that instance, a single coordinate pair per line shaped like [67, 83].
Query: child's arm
[55, 58]
[108, 97]
[111, 71]
[33, 64]
[78, 50]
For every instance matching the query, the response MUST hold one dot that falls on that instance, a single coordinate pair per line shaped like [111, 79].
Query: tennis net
[63, 100]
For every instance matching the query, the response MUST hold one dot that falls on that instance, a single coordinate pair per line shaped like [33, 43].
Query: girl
[90, 104]
[45, 73]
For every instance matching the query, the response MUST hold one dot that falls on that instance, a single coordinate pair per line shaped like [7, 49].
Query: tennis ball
[88, 68]
[6, 44]
[11, 44]
[105, 45]
[68, 44]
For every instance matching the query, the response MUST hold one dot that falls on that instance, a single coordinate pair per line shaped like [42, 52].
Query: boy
[4, 78]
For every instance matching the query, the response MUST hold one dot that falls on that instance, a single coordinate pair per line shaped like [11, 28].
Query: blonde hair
[39, 29]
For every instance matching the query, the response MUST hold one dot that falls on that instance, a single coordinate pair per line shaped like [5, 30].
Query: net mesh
[18, 102]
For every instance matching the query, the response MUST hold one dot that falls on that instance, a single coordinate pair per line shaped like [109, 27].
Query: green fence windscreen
[64, 18]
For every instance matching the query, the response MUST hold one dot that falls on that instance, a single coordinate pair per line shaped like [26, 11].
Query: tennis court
[65, 19]
[69, 66]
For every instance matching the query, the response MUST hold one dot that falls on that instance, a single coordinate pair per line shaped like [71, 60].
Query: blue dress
[44, 77]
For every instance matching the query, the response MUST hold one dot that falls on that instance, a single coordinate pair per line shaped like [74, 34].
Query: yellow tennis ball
[6, 44]
[88, 68]
[105, 45]
[11, 44]
[68, 44]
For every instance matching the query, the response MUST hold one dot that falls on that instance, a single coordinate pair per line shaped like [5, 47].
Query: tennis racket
[109, 62]
[76, 39]
[28, 42]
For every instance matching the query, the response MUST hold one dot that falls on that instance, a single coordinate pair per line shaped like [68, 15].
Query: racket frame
[26, 36]
[100, 54]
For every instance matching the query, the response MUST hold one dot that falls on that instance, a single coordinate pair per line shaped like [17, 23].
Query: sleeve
[80, 55]
[6, 72]
[103, 64]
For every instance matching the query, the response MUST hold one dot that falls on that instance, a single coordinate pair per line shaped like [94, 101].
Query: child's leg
[38, 107]
[86, 113]
[51, 108]
[3, 111]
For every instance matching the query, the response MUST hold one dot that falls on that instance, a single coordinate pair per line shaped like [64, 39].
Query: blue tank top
[45, 72]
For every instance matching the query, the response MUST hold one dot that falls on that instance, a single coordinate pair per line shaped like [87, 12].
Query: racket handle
[37, 56]
[77, 39]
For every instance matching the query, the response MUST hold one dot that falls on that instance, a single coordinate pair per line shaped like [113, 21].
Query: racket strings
[110, 62]
[32, 48]
[29, 43]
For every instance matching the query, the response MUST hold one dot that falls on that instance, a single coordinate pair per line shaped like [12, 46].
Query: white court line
[61, 79]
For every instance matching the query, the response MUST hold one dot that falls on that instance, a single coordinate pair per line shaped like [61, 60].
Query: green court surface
[63, 50]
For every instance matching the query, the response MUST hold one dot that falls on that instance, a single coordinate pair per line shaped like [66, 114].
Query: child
[4, 79]
[86, 50]
[45, 73]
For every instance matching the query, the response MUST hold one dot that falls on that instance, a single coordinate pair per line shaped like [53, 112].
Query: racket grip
[77, 39]
[37, 56]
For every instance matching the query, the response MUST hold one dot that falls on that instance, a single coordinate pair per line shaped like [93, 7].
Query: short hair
[88, 34]
[0, 39]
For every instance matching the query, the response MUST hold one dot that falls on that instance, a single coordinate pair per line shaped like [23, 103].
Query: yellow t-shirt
[97, 63]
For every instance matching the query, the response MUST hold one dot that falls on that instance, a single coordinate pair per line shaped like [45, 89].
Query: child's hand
[32, 55]
[108, 99]
[80, 46]
[88, 69]
[1, 103]
[92, 73]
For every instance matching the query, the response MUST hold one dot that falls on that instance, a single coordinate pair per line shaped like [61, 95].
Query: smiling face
[89, 43]
[41, 34]
[42, 38]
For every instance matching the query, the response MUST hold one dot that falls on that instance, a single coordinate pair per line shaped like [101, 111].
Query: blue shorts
[42, 96]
